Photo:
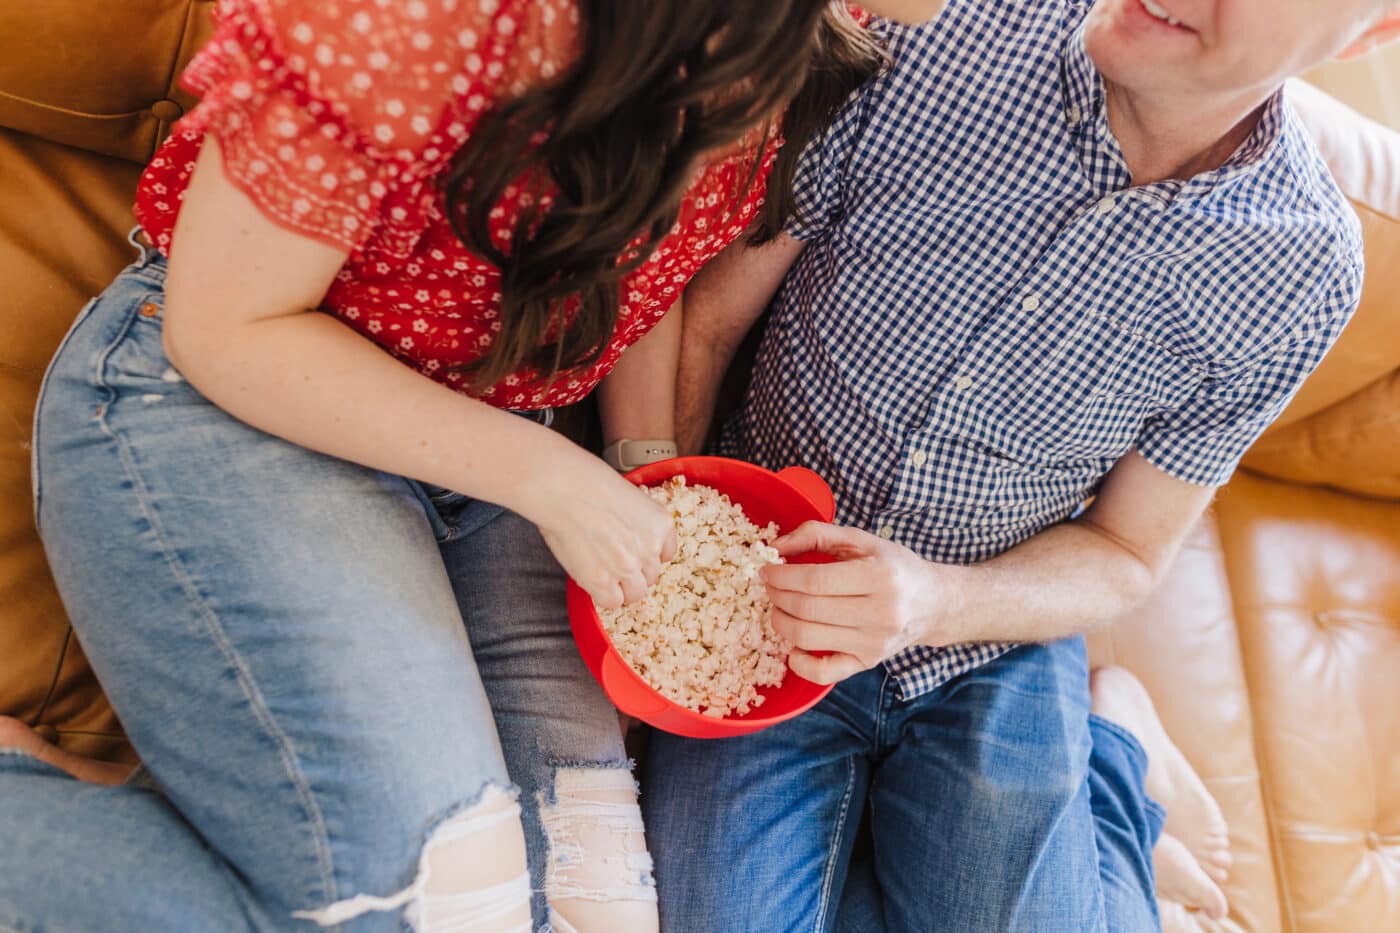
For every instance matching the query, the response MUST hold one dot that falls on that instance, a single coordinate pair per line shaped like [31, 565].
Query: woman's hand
[608, 534]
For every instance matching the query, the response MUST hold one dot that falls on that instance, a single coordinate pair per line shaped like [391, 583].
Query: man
[1054, 252]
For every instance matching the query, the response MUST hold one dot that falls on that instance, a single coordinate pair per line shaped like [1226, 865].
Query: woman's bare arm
[721, 305]
[240, 326]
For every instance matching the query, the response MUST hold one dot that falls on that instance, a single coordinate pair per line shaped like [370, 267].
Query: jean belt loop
[134, 238]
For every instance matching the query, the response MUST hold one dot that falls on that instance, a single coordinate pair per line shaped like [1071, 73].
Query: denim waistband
[149, 263]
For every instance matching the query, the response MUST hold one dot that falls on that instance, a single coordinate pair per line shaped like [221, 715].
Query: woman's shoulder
[389, 69]
[506, 43]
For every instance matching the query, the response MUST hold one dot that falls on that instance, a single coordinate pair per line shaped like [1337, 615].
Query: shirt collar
[1100, 155]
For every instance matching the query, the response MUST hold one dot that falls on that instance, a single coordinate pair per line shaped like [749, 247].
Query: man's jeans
[996, 803]
[285, 637]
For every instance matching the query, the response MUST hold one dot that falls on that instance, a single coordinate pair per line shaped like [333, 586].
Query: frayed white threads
[428, 912]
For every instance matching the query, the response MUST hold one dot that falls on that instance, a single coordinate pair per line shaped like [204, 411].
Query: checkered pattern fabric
[988, 315]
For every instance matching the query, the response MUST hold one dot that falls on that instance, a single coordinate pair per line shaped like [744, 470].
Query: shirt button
[1072, 115]
[886, 532]
[1030, 303]
[1106, 206]
[918, 458]
[962, 383]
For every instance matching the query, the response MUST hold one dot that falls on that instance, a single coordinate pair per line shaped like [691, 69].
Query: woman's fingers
[606, 595]
[670, 544]
[634, 588]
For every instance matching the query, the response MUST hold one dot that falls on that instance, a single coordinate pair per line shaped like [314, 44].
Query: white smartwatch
[626, 455]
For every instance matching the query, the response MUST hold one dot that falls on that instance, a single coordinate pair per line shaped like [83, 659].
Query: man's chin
[1142, 65]
[1120, 34]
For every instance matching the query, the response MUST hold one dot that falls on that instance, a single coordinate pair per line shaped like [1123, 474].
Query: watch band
[626, 455]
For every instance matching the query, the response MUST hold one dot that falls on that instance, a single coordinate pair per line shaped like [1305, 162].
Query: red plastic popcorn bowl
[789, 498]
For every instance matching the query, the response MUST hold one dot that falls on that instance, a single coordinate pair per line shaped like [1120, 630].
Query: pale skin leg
[1180, 878]
[494, 855]
[604, 885]
[1195, 825]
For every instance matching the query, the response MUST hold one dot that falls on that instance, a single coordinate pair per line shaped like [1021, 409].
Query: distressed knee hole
[599, 873]
[472, 875]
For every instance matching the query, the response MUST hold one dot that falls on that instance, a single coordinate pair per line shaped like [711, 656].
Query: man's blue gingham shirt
[988, 315]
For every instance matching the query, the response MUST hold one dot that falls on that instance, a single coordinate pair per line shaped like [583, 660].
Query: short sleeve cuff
[1183, 459]
[303, 174]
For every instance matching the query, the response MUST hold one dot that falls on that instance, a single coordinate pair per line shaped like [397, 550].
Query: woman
[303, 439]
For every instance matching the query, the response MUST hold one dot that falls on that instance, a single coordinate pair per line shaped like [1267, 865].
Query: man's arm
[722, 303]
[881, 598]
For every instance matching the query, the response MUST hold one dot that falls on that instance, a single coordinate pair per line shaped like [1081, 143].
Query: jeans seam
[882, 706]
[286, 752]
[834, 847]
[35, 488]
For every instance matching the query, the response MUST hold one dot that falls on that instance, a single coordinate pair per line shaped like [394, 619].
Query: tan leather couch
[1273, 651]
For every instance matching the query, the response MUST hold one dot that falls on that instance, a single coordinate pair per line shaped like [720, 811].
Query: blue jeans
[995, 803]
[284, 636]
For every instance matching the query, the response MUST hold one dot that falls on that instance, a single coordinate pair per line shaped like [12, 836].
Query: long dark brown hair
[657, 86]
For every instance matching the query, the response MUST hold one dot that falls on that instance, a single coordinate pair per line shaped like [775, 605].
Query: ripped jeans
[284, 636]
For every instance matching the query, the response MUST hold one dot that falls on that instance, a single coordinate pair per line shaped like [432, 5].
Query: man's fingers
[844, 611]
[823, 669]
[837, 540]
[843, 578]
[816, 636]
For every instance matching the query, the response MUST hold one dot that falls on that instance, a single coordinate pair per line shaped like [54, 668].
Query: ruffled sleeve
[334, 115]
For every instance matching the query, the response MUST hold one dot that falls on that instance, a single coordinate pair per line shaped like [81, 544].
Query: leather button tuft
[167, 110]
[47, 732]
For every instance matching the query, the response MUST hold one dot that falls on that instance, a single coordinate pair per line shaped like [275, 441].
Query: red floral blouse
[336, 118]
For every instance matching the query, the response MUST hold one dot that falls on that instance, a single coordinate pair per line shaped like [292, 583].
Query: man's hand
[876, 600]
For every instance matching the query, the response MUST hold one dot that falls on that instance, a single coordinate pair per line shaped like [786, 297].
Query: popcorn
[702, 637]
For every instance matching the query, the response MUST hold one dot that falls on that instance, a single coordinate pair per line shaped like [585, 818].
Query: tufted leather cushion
[96, 75]
[61, 241]
[1353, 445]
[85, 82]
[1317, 601]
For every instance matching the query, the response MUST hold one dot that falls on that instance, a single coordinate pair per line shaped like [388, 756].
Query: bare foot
[15, 734]
[1180, 878]
[1193, 816]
